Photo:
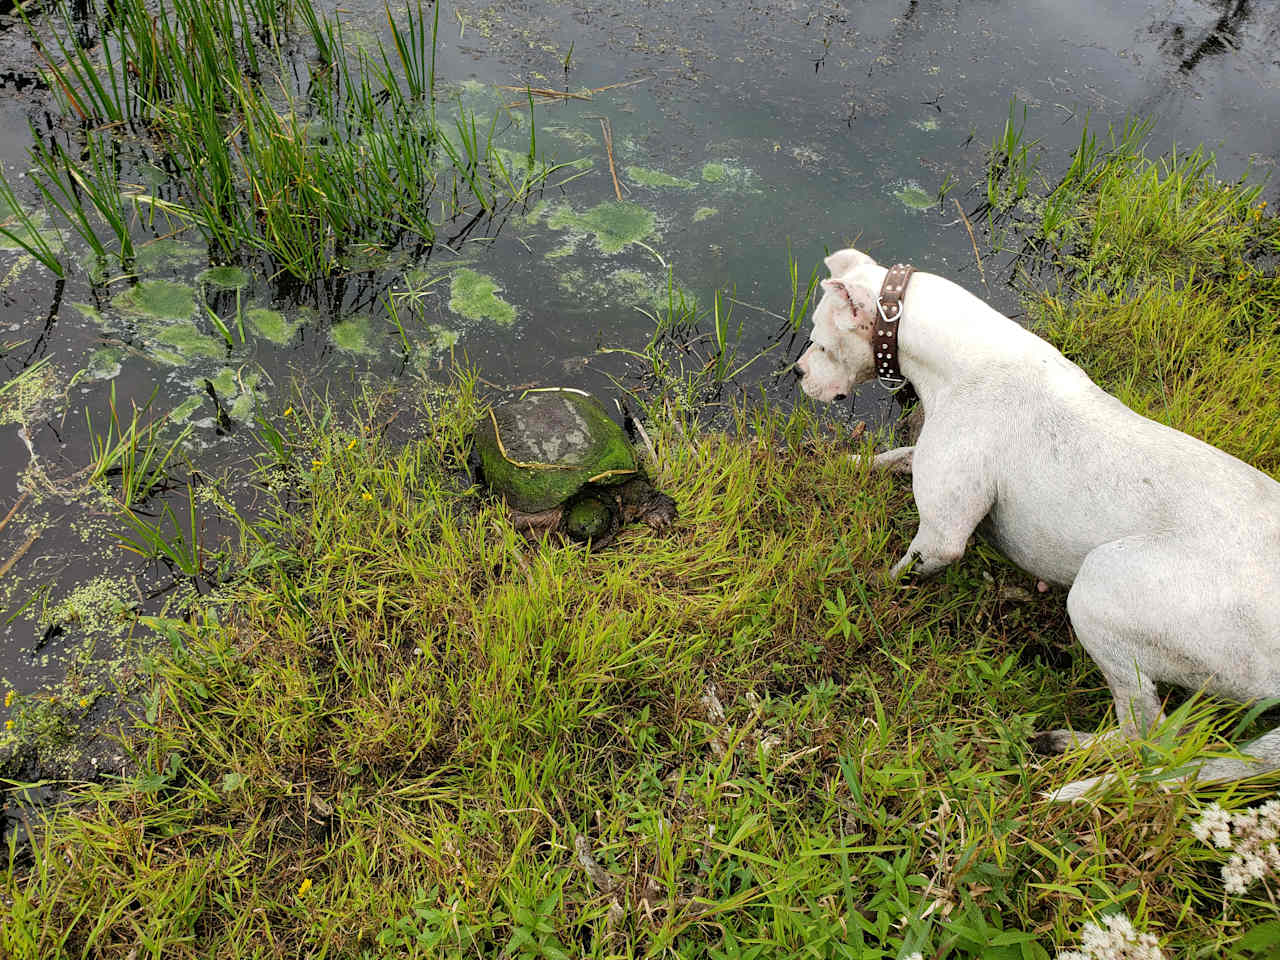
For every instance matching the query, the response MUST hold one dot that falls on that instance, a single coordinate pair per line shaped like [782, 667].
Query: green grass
[286, 142]
[408, 732]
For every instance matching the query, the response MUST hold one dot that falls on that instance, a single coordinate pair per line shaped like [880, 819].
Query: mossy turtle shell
[540, 450]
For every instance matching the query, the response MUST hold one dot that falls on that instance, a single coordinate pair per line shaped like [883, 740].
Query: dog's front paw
[1058, 741]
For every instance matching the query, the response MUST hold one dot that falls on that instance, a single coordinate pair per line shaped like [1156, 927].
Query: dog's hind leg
[1108, 622]
[1145, 610]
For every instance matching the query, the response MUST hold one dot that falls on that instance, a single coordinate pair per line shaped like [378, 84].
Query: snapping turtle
[562, 464]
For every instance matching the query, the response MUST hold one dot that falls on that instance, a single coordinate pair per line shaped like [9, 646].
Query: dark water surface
[739, 130]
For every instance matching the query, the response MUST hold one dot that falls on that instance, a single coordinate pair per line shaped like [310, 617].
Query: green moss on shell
[558, 441]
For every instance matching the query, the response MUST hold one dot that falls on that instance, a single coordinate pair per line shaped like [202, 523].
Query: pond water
[741, 133]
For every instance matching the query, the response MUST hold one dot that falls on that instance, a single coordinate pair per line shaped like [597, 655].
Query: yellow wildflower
[8, 724]
[352, 444]
[367, 495]
[304, 887]
[84, 701]
[288, 411]
[8, 698]
[317, 463]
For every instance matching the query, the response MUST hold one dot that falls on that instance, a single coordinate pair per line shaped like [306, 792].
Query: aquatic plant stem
[977, 256]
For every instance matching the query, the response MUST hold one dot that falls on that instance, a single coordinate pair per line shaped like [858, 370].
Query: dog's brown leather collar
[884, 341]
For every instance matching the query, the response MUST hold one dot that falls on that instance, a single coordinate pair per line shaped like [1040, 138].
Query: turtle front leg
[640, 501]
[536, 525]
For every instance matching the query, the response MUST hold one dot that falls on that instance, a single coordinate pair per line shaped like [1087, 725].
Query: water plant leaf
[915, 197]
[353, 335]
[611, 224]
[165, 253]
[225, 277]
[645, 177]
[272, 325]
[104, 364]
[185, 343]
[157, 300]
[474, 296]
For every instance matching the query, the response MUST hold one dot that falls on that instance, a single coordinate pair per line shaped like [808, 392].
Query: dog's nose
[797, 371]
[841, 396]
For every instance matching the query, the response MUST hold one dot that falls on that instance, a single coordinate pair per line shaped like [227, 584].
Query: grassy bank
[412, 733]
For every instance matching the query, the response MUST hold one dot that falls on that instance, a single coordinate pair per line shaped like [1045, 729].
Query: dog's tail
[1256, 757]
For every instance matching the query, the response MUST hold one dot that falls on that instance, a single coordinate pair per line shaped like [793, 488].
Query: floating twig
[548, 95]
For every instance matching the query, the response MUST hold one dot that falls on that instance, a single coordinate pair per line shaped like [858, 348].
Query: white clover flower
[1251, 835]
[1213, 827]
[1114, 939]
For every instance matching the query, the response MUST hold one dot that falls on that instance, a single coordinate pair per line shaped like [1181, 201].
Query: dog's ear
[842, 261]
[854, 309]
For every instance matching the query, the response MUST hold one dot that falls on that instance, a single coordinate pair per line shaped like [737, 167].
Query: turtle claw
[661, 513]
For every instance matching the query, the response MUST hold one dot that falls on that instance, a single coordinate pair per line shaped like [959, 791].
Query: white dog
[1170, 547]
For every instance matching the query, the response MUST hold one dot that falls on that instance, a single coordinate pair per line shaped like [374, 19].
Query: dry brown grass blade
[548, 95]
[607, 131]
[968, 226]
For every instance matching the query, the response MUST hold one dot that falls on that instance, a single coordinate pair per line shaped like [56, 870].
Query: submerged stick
[19, 553]
[607, 131]
[968, 226]
[14, 509]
